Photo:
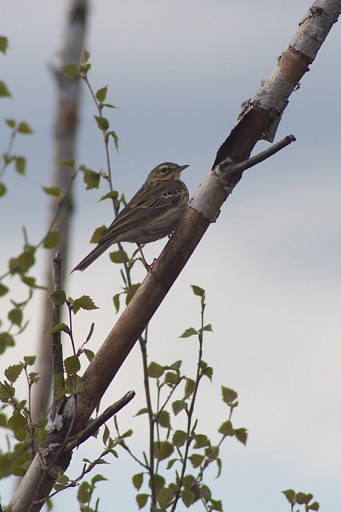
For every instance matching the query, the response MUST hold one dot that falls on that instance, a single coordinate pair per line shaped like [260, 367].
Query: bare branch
[228, 170]
[99, 421]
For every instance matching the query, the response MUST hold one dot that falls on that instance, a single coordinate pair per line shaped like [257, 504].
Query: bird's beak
[182, 167]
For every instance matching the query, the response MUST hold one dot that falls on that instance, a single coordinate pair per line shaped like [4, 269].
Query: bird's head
[166, 171]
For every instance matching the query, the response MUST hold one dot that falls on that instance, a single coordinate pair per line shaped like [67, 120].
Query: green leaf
[4, 92]
[128, 433]
[188, 497]
[163, 419]
[53, 191]
[116, 301]
[144, 410]
[25, 129]
[138, 481]
[20, 164]
[30, 360]
[72, 365]
[207, 327]
[3, 290]
[91, 179]
[109, 105]
[101, 94]
[208, 372]
[97, 234]
[84, 493]
[165, 496]
[3, 44]
[116, 257]
[83, 302]
[110, 195]
[85, 56]
[226, 429]
[188, 481]
[217, 505]
[98, 478]
[13, 372]
[314, 506]
[26, 259]
[141, 500]
[89, 354]
[58, 297]
[52, 239]
[61, 482]
[205, 492]
[201, 440]
[10, 122]
[189, 386]
[69, 162]
[163, 450]
[7, 392]
[159, 482]
[106, 435]
[229, 395]
[3, 189]
[61, 327]
[102, 123]
[17, 423]
[302, 498]
[189, 332]
[241, 435]
[6, 340]
[212, 452]
[131, 292]
[70, 71]
[179, 438]
[15, 316]
[179, 405]
[172, 378]
[176, 365]
[114, 135]
[200, 292]
[196, 459]
[155, 371]
[29, 281]
[171, 463]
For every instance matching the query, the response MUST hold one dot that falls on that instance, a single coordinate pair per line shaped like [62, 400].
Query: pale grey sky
[179, 72]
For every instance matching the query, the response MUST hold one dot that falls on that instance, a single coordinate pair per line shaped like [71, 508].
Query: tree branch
[99, 421]
[228, 170]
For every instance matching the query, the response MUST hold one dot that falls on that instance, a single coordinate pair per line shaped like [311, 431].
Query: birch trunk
[65, 138]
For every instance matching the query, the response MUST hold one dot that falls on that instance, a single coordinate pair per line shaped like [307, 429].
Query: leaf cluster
[301, 498]
[180, 457]
[18, 457]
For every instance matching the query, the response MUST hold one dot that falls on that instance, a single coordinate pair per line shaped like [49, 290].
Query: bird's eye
[163, 169]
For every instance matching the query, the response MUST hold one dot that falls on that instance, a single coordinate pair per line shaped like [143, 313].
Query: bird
[151, 214]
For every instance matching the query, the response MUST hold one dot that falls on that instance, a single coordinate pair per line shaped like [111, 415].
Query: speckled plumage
[151, 214]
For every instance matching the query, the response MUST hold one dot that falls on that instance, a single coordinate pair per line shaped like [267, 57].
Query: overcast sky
[179, 71]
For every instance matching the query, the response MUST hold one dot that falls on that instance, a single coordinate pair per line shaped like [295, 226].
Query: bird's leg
[148, 267]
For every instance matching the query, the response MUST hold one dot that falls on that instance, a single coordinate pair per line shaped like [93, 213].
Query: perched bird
[151, 214]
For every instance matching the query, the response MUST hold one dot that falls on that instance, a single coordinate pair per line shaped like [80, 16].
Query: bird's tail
[92, 256]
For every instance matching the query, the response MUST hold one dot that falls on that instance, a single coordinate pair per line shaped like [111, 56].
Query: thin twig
[143, 345]
[228, 168]
[57, 349]
[99, 421]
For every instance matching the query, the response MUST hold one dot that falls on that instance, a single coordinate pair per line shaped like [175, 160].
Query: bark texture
[65, 138]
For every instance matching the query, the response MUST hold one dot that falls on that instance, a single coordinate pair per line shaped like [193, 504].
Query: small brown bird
[151, 214]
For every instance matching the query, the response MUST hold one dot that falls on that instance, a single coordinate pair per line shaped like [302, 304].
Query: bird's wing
[148, 204]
